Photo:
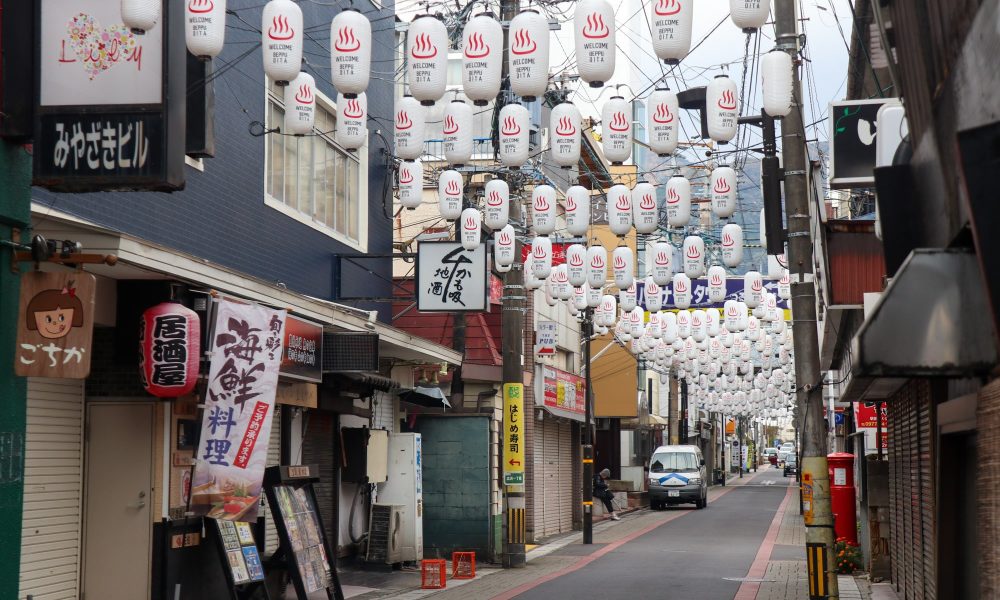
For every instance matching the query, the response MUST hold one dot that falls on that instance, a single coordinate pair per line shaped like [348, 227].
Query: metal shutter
[53, 489]
[565, 460]
[547, 485]
[317, 449]
[383, 412]
[273, 458]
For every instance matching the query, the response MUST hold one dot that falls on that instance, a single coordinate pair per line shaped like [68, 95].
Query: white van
[677, 475]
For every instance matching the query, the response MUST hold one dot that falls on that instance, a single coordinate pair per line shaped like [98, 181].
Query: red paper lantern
[170, 344]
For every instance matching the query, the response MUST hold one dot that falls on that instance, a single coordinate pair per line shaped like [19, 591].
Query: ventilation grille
[383, 533]
[350, 352]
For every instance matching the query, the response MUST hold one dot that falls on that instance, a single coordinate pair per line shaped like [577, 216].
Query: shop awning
[426, 396]
[930, 321]
[561, 412]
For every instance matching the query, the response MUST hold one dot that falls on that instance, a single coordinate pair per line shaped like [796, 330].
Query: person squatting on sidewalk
[606, 495]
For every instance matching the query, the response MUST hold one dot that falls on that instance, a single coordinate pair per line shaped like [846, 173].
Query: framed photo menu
[240, 559]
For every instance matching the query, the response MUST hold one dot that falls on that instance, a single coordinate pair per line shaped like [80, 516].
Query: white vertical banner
[245, 356]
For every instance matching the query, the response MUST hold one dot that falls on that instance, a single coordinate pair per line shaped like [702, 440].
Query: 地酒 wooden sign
[55, 325]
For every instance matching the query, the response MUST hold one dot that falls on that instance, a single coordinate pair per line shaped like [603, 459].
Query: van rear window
[672, 462]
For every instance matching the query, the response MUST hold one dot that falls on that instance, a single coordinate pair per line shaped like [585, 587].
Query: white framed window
[312, 179]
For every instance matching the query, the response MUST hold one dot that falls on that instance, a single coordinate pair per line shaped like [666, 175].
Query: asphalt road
[702, 554]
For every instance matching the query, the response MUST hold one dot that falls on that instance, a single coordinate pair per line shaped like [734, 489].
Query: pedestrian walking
[606, 495]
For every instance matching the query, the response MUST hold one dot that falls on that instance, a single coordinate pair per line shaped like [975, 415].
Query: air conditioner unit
[384, 533]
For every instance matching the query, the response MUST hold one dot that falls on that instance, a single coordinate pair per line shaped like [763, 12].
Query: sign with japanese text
[451, 278]
[699, 294]
[546, 336]
[55, 325]
[302, 354]
[558, 253]
[513, 434]
[865, 420]
[564, 393]
[170, 349]
[110, 112]
[246, 350]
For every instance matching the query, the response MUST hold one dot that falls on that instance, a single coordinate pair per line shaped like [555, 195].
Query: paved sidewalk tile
[784, 580]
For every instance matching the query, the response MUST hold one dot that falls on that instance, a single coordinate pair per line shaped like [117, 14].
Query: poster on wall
[564, 393]
[245, 357]
[55, 325]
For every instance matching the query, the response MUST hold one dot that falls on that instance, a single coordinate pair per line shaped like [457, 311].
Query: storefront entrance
[119, 500]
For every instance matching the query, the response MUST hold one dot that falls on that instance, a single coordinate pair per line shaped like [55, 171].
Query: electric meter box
[366, 453]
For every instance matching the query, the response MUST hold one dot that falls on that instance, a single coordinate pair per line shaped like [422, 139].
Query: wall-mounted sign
[853, 137]
[111, 102]
[564, 393]
[546, 336]
[55, 325]
[451, 278]
[302, 356]
[513, 434]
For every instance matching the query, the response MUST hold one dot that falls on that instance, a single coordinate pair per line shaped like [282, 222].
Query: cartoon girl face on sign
[53, 313]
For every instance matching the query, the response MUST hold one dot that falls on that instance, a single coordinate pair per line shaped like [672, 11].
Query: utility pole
[512, 335]
[809, 383]
[588, 441]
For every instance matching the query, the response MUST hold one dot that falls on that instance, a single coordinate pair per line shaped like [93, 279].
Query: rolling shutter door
[550, 478]
[273, 458]
[565, 463]
[53, 489]
[317, 449]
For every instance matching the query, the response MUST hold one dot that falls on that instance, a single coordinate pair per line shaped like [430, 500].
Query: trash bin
[719, 476]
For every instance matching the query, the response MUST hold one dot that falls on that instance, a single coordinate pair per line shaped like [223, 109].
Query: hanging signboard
[546, 336]
[558, 252]
[853, 137]
[865, 419]
[513, 434]
[699, 294]
[451, 278]
[55, 325]
[302, 353]
[564, 394]
[110, 112]
[246, 347]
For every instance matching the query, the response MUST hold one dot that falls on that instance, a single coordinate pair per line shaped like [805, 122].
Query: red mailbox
[841, 466]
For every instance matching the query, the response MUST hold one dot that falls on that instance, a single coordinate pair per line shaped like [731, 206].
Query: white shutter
[550, 466]
[565, 457]
[53, 489]
[273, 458]
[384, 413]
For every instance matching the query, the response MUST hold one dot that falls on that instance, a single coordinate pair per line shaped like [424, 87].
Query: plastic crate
[433, 574]
[463, 565]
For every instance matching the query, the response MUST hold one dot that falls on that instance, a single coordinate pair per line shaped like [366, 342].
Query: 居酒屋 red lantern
[170, 344]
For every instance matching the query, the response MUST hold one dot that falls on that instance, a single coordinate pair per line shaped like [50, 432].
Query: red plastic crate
[463, 565]
[433, 574]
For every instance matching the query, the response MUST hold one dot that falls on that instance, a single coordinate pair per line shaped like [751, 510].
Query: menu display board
[240, 550]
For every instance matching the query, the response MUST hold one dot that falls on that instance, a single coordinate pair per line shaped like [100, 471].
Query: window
[673, 462]
[312, 179]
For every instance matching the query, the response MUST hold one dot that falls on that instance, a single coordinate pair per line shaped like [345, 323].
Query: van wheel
[701, 503]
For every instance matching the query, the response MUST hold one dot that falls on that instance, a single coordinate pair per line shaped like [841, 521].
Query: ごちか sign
[55, 325]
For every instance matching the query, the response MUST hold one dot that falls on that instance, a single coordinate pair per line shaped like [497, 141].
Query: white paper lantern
[635, 319]
[753, 289]
[627, 298]
[543, 209]
[678, 202]
[529, 55]
[644, 212]
[594, 32]
[721, 104]
[723, 188]
[731, 241]
[716, 284]
[694, 256]
[744, 317]
[616, 129]
[682, 291]
[623, 266]
[482, 59]
[654, 328]
[530, 281]
[541, 256]
[753, 329]
[668, 321]
[411, 183]
[609, 306]
[515, 128]
[776, 83]
[450, 194]
[593, 295]
[205, 27]
[749, 14]
[409, 128]
[456, 132]
[661, 268]
[503, 246]
[662, 120]
[561, 288]
[670, 29]
[732, 317]
[576, 262]
[684, 324]
[427, 59]
[713, 321]
[300, 105]
[577, 210]
[785, 285]
[351, 129]
[471, 227]
[653, 295]
[699, 326]
[141, 15]
[281, 40]
[350, 52]
[564, 135]
[550, 295]
[497, 211]
[619, 210]
[597, 266]
[580, 298]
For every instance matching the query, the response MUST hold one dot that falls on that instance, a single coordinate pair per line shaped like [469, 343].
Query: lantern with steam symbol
[753, 289]
[352, 121]
[694, 256]
[411, 183]
[721, 103]
[350, 52]
[281, 40]
[543, 209]
[785, 285]
[541, 256]
[749, 14]
[173, 373]
[597, 267]
[662, 263]
[300, 105]
[503, 246]
[732, 245]
[427, 58]
[682, 291]
[662, 119]
[623, 266]
[205, 27]
[450, 194]
[616, 129]
[470, 224]
[670, 28]
[409, 128]
[529, 55]
[716, 283]
[515, 127]
[723, 186]
[678, 201]
[594, 32]
[482, 58]
[576, 261]
[776, 81]
[619, 210]
[564, 135]
[497, 194]
[627, 298]
[644, 211]
[140, 15]
[654, 297]
[456, 132]
[577, 207]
